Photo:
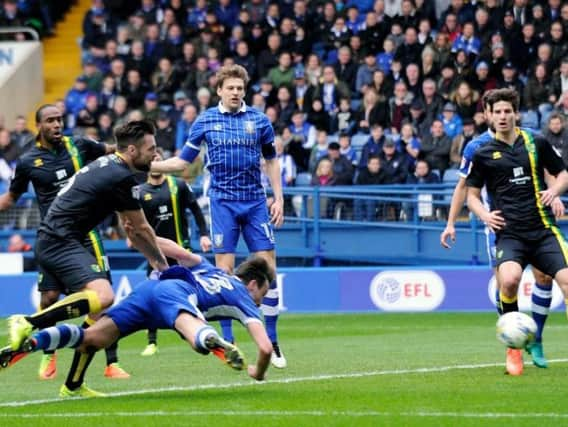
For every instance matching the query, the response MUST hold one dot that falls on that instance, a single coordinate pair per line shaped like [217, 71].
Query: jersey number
[213, 283]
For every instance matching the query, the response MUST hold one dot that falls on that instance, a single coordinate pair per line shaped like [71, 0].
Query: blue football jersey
[470, 149]
[217, 294]
[234, 145]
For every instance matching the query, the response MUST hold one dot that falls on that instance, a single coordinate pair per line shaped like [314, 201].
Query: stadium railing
[325, 225]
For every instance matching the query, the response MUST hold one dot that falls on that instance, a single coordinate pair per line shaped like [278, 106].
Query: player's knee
[541, 278]
[510, 284]
[106, 297]
[48, 298]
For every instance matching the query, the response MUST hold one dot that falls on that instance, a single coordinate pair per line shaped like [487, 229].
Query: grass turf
[437, 369]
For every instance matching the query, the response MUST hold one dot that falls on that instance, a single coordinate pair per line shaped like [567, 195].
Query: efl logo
[525, 292]
[410, 290]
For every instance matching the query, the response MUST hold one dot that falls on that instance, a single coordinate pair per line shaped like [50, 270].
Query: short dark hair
[39, 111]
[505, 95]
[484, 99]
[255, 268]
[132, 133]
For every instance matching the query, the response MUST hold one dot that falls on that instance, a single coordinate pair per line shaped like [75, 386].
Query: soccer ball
[516, 329]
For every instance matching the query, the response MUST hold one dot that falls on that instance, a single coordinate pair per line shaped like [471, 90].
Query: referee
[236, 137]
[512, 167]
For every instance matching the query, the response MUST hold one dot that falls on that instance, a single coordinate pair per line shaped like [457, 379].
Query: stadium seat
[451, 176]
[303, 179]
[359, 140]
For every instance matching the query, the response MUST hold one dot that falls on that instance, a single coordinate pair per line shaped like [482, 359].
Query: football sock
[541, 298]
[152, 336]
[70, 307]
[81, 362]
[200, 337]
[269, 309]
[110, 351]
[227, 328]
[508, 304]
[59, 336]
[498, 302]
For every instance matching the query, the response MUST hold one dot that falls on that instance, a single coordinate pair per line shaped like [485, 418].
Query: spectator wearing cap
[93, 76]
[418, 118]
[537, 97]
[283, 73]
[135, 89]
[393, 162]
[436, 146]
[451, 120]
[481, 82]
[150, 110]
[165, 134]
[524, 48]
[302, 92]
[510, 29]
[98, 28]
[459, 142]
[180, 101]
[76, 97]
[342, 167]
[510, 80]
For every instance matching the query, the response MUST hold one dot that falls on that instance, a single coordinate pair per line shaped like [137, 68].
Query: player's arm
[258, 334]
[555, 166]
[143, 238]
[559, 186]
[188, 153]
[458, 199]
[188, 200]
[7, 200]
[110, 148]
[172, 250]
[277, 207]
[493, 219]
[557, 204]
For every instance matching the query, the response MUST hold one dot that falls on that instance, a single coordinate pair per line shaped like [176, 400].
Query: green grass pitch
[436, 369]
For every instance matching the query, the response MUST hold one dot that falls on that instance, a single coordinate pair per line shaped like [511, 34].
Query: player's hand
[494, 220]
[547, 196]
[253, 373]
[277, 212]
[557, 207]
[205, 243]
[450, 232]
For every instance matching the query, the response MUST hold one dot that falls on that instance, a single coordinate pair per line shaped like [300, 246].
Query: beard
[142, 167]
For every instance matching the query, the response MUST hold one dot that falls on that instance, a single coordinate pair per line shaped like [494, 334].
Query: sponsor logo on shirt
[38, 163]
[496, 155]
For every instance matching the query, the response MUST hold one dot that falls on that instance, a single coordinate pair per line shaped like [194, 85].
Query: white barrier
[21, 78]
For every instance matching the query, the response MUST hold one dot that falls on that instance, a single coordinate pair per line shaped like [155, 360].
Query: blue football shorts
[229, 218]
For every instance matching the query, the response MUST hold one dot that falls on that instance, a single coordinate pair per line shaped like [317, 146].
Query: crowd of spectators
[40, 15]
[346, 84]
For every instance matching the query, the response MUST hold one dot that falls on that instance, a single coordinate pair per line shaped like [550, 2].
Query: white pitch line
[310, 413]
[291, 380]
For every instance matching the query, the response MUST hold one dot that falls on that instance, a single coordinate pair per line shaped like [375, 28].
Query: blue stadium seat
[451, 175]
[359, 140]
[303, 179]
